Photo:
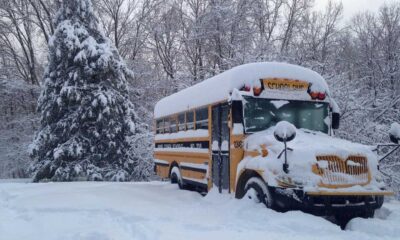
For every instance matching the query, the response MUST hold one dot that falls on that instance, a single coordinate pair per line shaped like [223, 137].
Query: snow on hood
[306, 147]
[310, 141]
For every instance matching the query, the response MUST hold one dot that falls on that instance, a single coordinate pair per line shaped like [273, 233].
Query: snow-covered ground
[105, 211]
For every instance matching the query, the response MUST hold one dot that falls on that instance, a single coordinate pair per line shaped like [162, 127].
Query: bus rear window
[160, 126]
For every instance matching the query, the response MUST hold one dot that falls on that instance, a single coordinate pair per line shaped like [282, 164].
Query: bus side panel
[182, 158]
[237, 153]
[162, 170]
[193, 174]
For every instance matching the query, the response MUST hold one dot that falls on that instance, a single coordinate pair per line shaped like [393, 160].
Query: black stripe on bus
[161, 164]
[203, 186]
[194, 169]
[223, 152]
[194, 144]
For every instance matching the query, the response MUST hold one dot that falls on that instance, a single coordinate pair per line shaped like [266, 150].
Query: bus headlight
[378, 178]
[288, 182]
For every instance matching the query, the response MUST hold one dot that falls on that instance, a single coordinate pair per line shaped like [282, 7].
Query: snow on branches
[88, 121]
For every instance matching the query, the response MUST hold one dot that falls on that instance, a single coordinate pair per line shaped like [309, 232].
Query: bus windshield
[260, 114]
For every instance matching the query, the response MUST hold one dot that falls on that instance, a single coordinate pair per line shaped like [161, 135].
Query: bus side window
[167, 125]
[181, 122]
[174, 126]
[160, 126]
[189, 120]
[202, 118]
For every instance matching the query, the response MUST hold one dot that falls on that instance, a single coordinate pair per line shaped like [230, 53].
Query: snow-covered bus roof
[219, 87]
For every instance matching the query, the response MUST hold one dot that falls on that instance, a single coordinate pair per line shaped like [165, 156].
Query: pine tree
[87, 122]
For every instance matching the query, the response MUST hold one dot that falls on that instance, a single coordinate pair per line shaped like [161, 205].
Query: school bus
[265, 131]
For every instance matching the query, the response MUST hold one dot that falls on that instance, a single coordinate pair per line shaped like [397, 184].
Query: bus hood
[308, 146]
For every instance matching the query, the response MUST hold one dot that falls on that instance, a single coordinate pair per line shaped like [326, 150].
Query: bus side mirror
[284, 132]
[394, 139]
[237, 111]
[335, 120]
[394, 133]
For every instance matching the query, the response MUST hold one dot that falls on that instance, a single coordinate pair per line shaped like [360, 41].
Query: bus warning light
[314, 95]
[317, 95]
[245, 88]
[321, 96]
[257, 88]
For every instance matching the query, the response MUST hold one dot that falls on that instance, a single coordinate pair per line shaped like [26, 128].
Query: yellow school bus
[265, 131]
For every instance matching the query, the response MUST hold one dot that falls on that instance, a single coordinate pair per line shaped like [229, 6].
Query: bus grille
[336, 172]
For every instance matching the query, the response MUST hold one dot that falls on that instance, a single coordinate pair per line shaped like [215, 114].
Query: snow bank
[155, 210]
[219, 87]
[385, 225]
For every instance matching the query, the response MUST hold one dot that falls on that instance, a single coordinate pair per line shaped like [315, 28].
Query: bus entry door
[220, 147]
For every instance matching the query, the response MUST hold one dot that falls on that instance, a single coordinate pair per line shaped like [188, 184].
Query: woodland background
[173, 44]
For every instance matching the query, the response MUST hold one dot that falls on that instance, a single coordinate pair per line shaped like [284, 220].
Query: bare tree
[19, 32]
[389, 17]
[119, 17]
[266, 14]
[125, 22]
[295, 9]
[194, 36]
[165, 40]
[44, 12]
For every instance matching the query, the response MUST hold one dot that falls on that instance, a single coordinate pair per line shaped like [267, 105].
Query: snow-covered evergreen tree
[88, 122]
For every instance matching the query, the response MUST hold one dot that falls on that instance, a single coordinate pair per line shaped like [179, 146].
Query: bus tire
[256, 190]
[343, 219]
[369, 213]
[176, 177]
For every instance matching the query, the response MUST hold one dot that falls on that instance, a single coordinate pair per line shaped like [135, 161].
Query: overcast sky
[352, 7]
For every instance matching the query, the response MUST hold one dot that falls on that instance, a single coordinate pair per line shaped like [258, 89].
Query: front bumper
[327, 203]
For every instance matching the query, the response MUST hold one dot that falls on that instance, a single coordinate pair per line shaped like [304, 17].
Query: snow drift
[156, 210]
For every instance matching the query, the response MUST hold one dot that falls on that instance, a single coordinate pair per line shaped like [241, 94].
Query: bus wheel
[369, 214]
[343, 219]
[257, 191]
[176, 177]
